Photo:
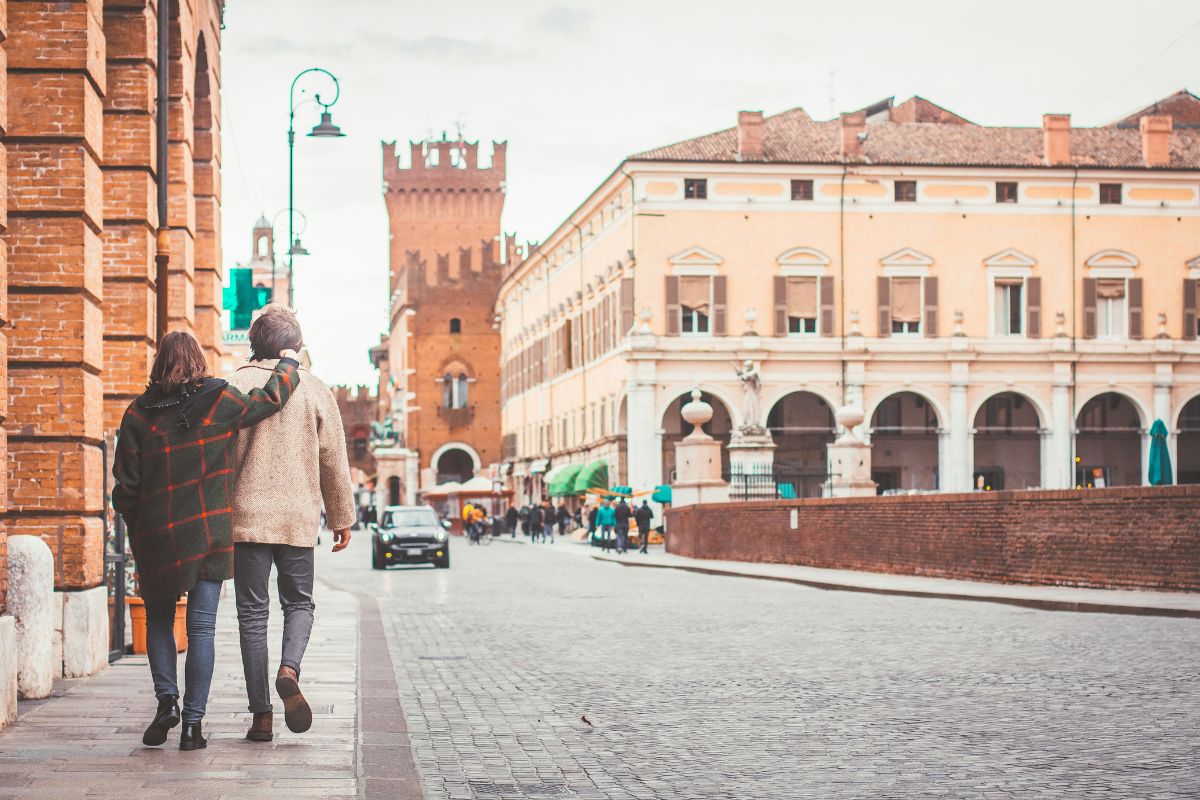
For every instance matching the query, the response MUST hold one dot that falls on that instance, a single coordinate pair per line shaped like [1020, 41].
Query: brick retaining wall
[1147, 538]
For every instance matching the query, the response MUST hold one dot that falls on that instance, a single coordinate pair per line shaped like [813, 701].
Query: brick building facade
[439, 362]
[358, 409]
[81, 228]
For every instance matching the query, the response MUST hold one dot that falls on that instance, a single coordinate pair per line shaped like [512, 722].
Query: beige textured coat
[289, 464]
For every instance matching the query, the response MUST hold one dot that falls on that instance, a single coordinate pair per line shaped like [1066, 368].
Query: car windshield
[410, 518]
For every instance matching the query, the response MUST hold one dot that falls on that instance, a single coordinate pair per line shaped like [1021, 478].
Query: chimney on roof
[1156, 140]
[750, 136]
[1056, 139]
[853, 127]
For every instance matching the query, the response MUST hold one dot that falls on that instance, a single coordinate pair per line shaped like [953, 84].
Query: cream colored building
[1010, 307]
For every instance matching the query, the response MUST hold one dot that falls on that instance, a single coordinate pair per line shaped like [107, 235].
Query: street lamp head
[325, 129]
[297, 249]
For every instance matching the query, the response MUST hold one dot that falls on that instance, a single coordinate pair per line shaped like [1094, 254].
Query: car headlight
[385, 537]
[440, 536]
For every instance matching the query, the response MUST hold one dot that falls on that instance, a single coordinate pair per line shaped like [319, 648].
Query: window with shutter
[906, 305]
[1007, 306]
[825, 292]
[673, 312]
[1190, 328]
[1033, 307]
[883, 295]
[781, 322]
[695, 304]
[1112, 308]
[1089, 308]
[627, 310]
[801, 306]
[930, 289]
[719, 303]
[1136, 315]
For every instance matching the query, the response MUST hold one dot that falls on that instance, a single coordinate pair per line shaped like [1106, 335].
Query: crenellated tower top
[444, 165]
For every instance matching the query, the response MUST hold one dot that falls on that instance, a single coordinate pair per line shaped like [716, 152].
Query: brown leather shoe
[262, 729]
[296, 712]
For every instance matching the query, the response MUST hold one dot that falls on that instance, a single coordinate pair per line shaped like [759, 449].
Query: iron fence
[776, 482]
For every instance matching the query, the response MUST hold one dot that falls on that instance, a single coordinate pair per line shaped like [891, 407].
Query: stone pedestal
[752, 464]
[31, 603]
[698, 461]
[8, 671]
[394, 462]
[850, 459]
[84, 632]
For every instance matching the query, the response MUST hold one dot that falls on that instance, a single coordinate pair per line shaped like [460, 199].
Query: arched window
[455, 325]
[460, 393]
[448, 391]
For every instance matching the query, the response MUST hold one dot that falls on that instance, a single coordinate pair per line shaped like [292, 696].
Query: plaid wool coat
[174, 466]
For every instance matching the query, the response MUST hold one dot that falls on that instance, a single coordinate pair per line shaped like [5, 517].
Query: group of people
[219, 479]
[611, 519]
[476, 521]
[538, 521]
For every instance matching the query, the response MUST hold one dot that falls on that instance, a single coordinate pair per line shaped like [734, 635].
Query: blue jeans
[201, 631]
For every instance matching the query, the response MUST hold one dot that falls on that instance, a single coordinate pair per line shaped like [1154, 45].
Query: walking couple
[212, 486]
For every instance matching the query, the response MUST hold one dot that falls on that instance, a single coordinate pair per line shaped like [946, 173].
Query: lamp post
[325, 129]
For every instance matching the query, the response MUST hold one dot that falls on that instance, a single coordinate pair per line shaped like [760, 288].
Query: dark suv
[410, 535]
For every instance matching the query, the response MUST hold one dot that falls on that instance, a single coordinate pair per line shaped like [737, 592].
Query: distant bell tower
[264, 241]
[446, 254]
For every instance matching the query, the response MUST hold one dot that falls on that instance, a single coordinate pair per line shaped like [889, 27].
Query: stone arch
[905, 433]
[1110, 428]
[674, 428]
[1187, 442]
[938, 409]
[1007, 447]
[802, 425]
[718, 393]
[459, 455]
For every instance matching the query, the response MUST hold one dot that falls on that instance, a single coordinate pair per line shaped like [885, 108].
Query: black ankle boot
[165, 718]
[191, 738]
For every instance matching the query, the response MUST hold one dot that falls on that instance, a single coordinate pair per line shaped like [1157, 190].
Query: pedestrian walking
[535, 523]
[592, 513]
[564, 518]
[511, 518]
[524, 515]
[287, 467]
[606, 518]
[622, 513]
[174, 461]
[548, 520]
[644, 516]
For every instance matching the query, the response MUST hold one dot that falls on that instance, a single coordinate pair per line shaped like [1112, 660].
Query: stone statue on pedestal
[751, 380]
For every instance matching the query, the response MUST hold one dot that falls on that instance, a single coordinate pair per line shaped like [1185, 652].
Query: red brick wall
[1147, 538]
[3, 299]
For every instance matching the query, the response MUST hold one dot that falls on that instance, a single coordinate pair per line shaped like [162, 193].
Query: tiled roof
[794, 137]
[1183, 107]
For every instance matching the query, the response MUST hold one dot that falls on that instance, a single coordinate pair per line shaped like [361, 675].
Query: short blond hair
[275, 329]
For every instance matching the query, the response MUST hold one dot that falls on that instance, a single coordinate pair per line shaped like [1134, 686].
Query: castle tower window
[455, 325]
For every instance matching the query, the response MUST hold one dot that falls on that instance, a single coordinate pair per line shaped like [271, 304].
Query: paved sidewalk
[86, 743]
[1054, 598]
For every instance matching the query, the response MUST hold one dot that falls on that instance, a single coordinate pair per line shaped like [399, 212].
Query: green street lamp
[325, 129]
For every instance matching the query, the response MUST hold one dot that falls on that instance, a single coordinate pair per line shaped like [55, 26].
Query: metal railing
[778, 482]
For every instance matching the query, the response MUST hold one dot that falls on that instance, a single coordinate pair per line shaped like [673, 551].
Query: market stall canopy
[480, 484]
[593, 476]
[444, 489]
[561, 480]
[538, 466]
[662, 494]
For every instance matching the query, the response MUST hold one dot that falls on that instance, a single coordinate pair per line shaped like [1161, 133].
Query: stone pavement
[86, 741]
[1055, 598]
[696, 686]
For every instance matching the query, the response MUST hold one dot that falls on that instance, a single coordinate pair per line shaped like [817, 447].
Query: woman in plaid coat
[174, 470]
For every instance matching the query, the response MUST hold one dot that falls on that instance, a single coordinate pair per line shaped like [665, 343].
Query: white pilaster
[1059, 460]
[643, 438]
[957, 466]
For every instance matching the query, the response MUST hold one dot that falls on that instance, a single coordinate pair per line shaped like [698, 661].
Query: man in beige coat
[288, 466]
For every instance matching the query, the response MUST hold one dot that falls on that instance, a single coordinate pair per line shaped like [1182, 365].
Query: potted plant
[137, 606]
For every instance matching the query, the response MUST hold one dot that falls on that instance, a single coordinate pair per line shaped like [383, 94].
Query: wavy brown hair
[180, 363]
[275, 329]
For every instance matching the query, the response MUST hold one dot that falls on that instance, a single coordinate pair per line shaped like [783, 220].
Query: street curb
[1037, 603]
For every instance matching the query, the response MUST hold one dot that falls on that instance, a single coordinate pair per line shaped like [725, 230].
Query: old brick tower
[439, 363]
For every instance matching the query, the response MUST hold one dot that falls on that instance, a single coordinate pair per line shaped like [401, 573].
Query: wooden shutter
[1136, 314]
[1033, 307]
[1089, 308]
[1189, 308]
[826, 299]
[672, 305]
[781, 326]
[931, 307]
[627, 312]
[883, 292]
[719, 300]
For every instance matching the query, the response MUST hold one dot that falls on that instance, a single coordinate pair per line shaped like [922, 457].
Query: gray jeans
[251, 574]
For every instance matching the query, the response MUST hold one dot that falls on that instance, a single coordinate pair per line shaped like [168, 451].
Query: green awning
[593, 476]
[562, 483]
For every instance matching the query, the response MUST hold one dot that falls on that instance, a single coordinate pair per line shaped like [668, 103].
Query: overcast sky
[575, 86]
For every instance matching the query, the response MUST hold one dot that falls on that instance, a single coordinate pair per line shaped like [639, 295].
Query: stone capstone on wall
[31, 603]
[8, 671]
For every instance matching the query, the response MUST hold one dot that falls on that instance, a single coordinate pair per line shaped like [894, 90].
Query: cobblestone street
[699, 686]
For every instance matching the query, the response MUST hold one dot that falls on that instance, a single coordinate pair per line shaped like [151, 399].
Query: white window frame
[709, 272]
[1113, 273]
[1008, 273]
[816, 273]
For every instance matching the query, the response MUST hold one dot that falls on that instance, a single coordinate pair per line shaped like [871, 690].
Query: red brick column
[3, 295]
[181, 205]
[130, 203]
[206, 176]
[56, 81]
